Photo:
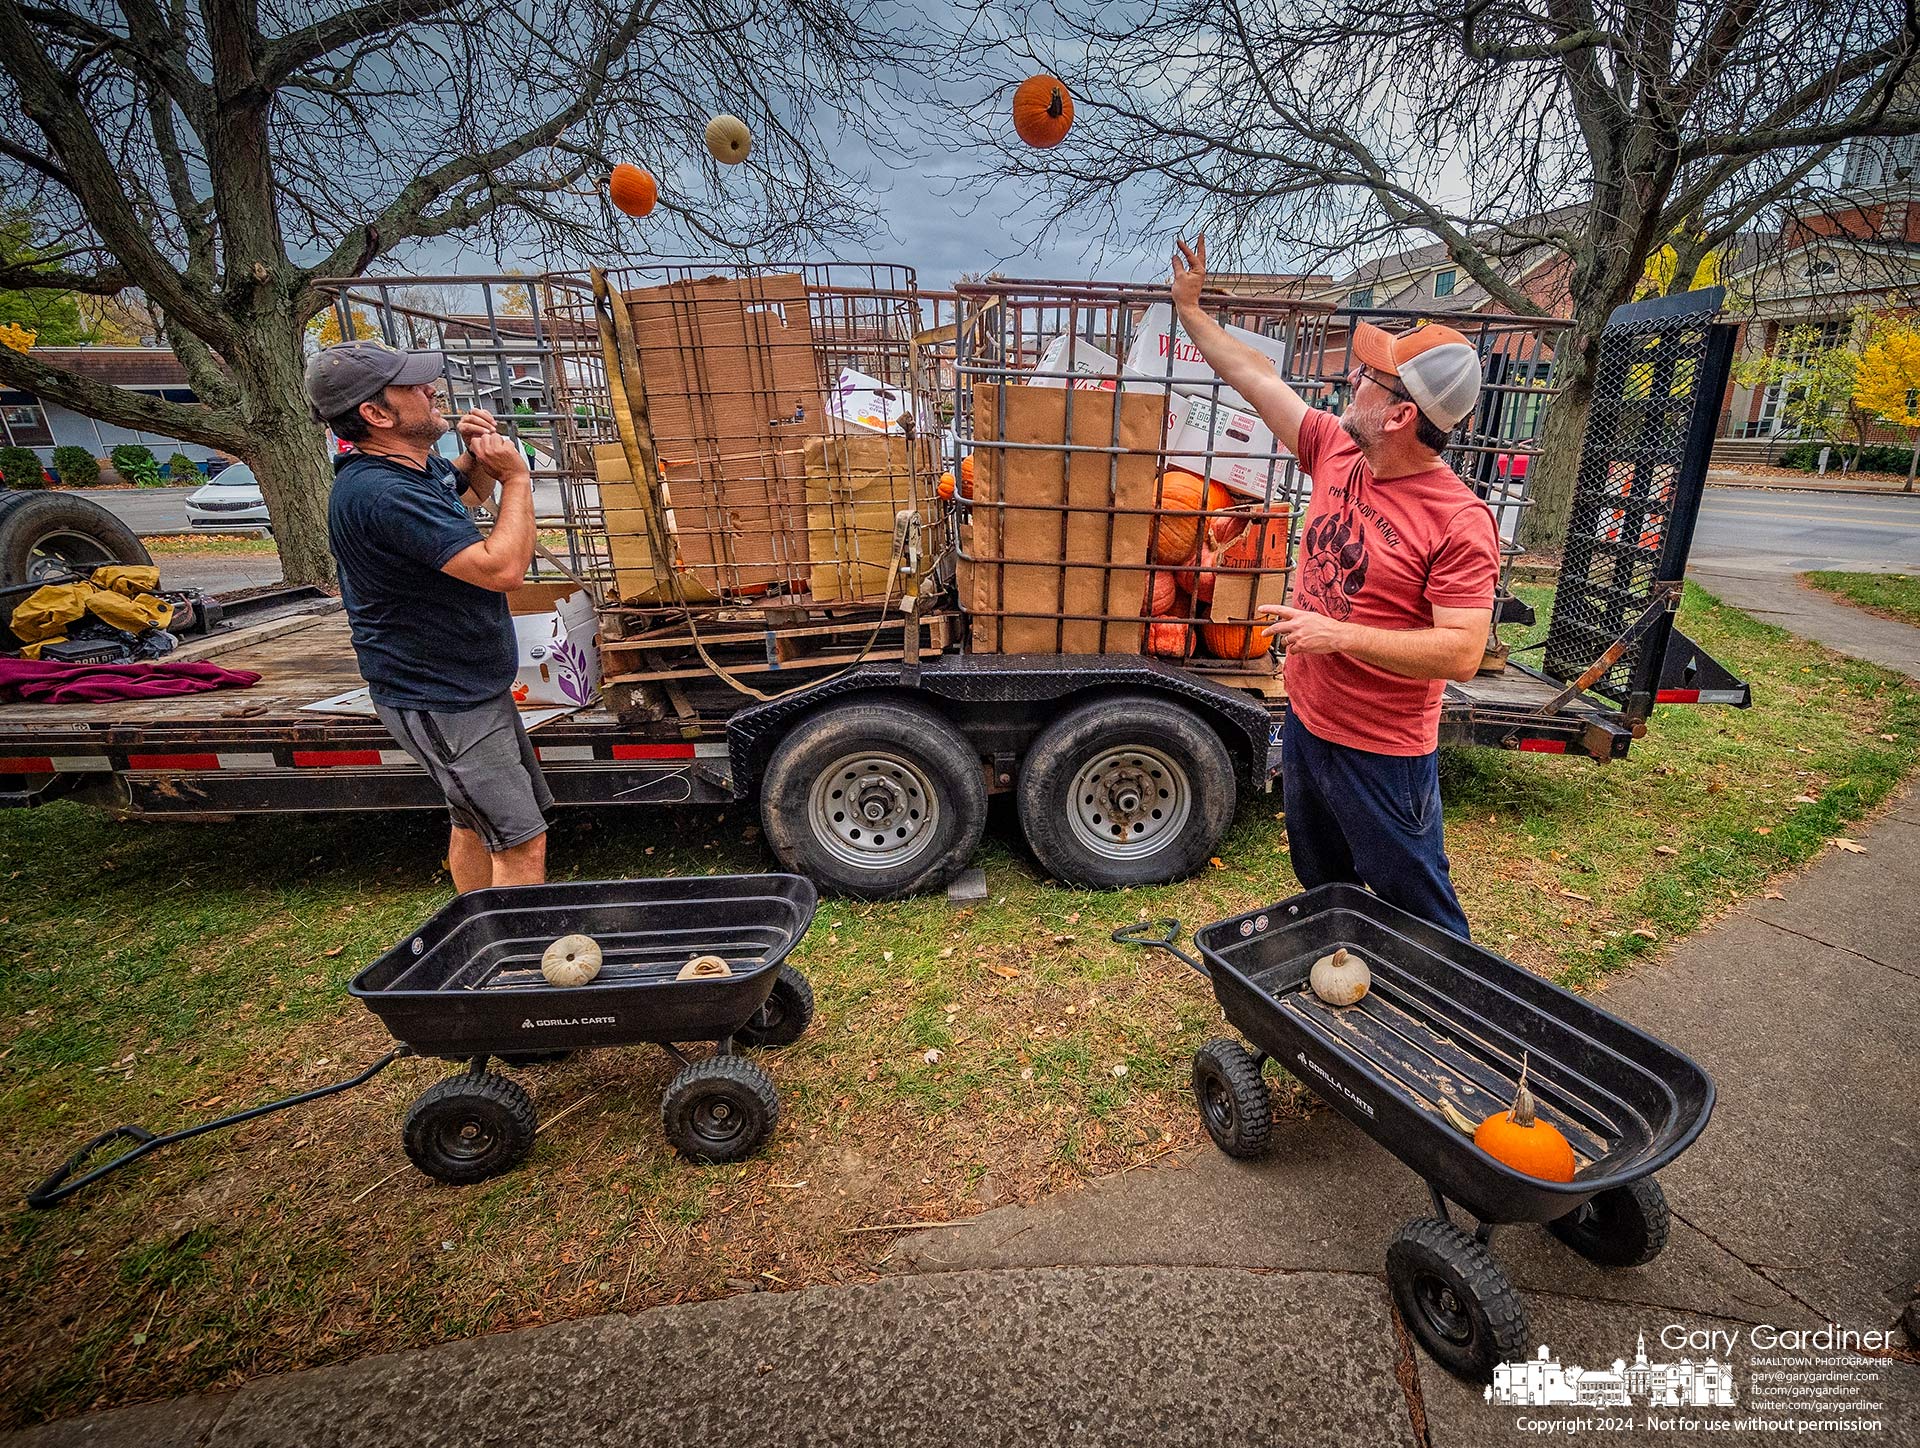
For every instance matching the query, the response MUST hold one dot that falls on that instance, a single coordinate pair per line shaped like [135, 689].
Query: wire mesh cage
[784, 418]
[1655, 373]
[1116, 496]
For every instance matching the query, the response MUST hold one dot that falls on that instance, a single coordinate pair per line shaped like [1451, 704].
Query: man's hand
[1302, 631]
[475, 424]
[498, 457]
[1189, 271]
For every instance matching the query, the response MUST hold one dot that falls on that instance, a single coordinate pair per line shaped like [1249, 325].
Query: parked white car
[230, 503]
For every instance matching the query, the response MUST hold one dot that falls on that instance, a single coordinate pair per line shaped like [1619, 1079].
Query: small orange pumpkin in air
[1042, 111]
[1522, 1141]
[632, 190]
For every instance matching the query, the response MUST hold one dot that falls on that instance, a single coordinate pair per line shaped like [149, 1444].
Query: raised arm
[1246, 371]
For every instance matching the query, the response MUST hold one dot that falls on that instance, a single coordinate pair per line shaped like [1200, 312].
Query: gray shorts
[484, 764]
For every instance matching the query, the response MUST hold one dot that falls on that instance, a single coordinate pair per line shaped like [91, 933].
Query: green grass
[221, 545]
[1891, 595]
[163, 974]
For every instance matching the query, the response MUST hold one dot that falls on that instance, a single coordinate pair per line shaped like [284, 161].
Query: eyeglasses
[1384, 384]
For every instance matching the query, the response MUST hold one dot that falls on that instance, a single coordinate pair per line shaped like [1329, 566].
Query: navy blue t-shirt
[424, 639]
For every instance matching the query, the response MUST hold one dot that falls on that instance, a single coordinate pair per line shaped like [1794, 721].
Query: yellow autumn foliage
[16, 337]
[1888, 384]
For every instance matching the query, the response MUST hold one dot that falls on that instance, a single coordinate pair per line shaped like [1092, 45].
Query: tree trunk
[1543, 526]
[1913, 463]
[286, 448]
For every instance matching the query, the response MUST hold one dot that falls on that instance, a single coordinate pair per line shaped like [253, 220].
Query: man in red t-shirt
[1392, 596]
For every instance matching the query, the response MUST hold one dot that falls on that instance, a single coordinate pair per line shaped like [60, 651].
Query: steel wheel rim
[718, 1119]
[465, 1139]
[1127, 803]
[60, 552]
[873, 810]
[1443, 1308]
[1217, 1105]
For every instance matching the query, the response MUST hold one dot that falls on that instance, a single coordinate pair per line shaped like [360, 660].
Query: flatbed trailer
[924, 739]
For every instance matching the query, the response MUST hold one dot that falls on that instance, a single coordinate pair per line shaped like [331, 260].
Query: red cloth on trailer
[52, 682]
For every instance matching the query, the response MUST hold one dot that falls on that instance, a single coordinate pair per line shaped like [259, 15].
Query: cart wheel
[1455, 1299]
[470, 1127]
[522, 1059]
[1233, 1098]
[1126, 790]
[783, 1019]
[874, 798]
[1620, 1227]
[719, 1109]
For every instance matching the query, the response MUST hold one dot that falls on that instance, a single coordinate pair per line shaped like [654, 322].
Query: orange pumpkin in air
[1042, 111]
[1176, 531]
[632, 190]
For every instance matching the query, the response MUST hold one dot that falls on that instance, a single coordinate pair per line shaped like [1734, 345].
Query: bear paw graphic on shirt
[1333, 565]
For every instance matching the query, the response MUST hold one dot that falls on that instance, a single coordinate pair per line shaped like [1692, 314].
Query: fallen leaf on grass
[1852, 847]
[1773, 895]
[1576, 895]
[1762, 830]
[1645, 934]
[1665, 850]
[1804, 799]
[1005, 972]
[932, 1058]
[1217, 863]
[335, 951]
[1063, 940]
[1119, 1071]
[1890, 738]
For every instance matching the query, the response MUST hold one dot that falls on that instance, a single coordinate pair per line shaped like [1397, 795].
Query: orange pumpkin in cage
[966, 476]
[1262, 546]
[1170, 640]
[1199, 581]
[945, 488]
[1234, 640]
[632, 190]
[1042, 111]
[1163, 595]
[1176, 531]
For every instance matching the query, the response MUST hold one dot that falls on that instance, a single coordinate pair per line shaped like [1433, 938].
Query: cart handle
[63, 1184]
[1160, 935]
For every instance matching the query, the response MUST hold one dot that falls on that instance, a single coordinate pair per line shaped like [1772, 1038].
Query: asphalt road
[1744, 530]
[151, 511]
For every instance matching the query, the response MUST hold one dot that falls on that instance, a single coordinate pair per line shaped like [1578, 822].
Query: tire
[1455, 1299]
[785, 1016]
[470, 1127]
[1232, 1095]
[1621, 1227]
[1126, 790]
[44, 536]
[923, 800]
[721, 1109]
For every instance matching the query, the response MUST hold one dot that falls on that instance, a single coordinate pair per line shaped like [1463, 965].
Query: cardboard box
[870, 405]
[856, 487]
[1072, 361]
[623, 508]
[1161, 352]
[1059, 531]
[555, 629]
[1230, 445]
[732, 395]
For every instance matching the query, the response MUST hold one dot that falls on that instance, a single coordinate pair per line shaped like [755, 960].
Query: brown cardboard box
[733, 391]
[1070, 536]
[855, 486]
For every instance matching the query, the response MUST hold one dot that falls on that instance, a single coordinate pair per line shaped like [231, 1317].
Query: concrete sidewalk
[1785, 602]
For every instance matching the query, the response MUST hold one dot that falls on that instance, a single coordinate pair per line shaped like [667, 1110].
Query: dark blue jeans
[1368, 819]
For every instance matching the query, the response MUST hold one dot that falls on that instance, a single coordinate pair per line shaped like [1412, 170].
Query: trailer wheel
[1620, 1227]
[874, 798]
[44, 536]
[1455, 1299]
[1232, 1095]
[1126, 790]
[783, 1019]
[470, 1127]
[720, 1109]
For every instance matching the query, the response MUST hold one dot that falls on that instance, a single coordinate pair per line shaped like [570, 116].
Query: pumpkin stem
[1057, 107]
[1524, 1108]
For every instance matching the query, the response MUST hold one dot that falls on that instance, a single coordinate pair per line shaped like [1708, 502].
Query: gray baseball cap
[340, 378]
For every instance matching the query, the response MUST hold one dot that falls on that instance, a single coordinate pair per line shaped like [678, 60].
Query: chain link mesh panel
[1652, 378]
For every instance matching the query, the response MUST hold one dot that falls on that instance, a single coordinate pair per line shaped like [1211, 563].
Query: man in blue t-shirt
[425, 593]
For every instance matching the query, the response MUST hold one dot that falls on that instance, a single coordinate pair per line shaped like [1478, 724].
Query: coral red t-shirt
[1384, 554]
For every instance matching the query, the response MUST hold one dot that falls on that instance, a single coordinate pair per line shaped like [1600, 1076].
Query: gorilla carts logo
[1333, 567]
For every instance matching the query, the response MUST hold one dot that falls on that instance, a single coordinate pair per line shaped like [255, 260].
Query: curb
[1813, 488]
